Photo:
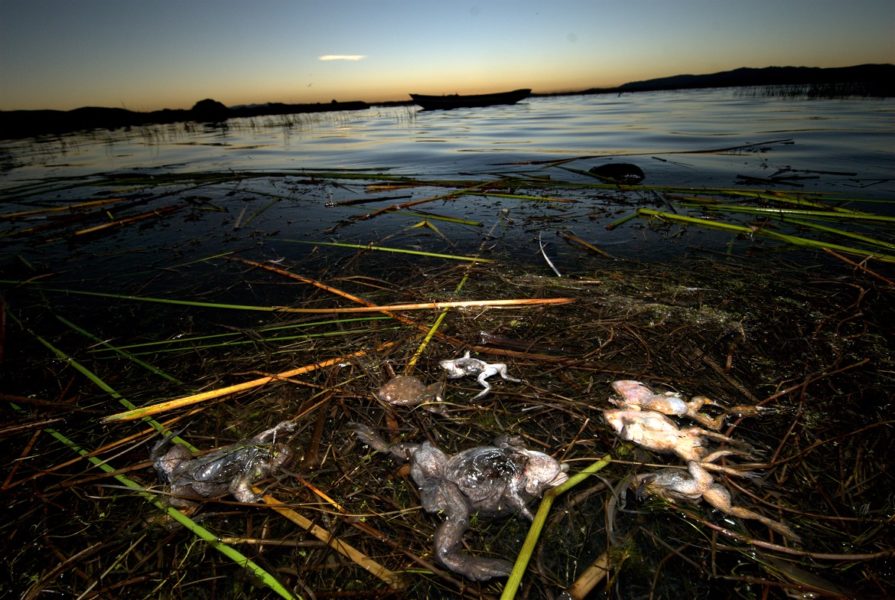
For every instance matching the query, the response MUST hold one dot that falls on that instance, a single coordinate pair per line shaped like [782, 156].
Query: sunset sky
[150, 54]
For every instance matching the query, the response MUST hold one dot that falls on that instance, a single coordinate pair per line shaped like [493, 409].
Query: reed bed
[138, 307]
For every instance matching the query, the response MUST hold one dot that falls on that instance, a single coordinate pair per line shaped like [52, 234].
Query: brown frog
[230, 469]
[406, 390]
[491, 480]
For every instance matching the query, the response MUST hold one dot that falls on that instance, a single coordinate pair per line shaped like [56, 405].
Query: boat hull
[469, 101]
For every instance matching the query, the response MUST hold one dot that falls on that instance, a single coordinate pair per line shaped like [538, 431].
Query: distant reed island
[872, 80]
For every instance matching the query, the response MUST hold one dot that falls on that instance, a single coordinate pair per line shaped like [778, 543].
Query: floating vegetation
[141, 306]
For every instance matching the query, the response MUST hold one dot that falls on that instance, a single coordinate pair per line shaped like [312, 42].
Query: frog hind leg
[447, 549]
[502, 371]
[483, 381]
[719, 497]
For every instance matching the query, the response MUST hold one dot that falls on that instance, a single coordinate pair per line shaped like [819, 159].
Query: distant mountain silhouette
[876, 77]
[867, 80]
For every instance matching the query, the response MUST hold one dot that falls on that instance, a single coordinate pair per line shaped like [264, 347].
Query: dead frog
[405, 390]
[490, 480]
[697, 483]
[637, 396]
[657, 432]
[230, 469]
[466, 365]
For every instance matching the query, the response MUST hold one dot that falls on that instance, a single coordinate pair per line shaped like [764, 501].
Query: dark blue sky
[170, 53]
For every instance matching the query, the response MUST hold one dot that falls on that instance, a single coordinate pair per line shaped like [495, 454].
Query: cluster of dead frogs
[643, 417]
[494, 480]
[489, 480]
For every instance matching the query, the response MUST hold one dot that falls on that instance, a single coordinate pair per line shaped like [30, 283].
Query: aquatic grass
[439, 320]
[266, 578]
[618, 222]
[390, 249]
[427, 330]
[98, 381]
[119, 351]
[781, 212]
[243, 561]
[198, 530]
[74, 206]
[537, 525]
[840, 232]
[154, 409]
[574, 239]
[860, 267]
[434, 217]
[412, 306]
[190, 343]
[742, 229]
[528, 197]
[607, 331]
[276, 340]
[392, 579]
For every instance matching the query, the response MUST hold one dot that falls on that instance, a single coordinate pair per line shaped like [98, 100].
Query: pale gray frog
[466, 365]
[232, 468]
[491, 480]
[696, 483]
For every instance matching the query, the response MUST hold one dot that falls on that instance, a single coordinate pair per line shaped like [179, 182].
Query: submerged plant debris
[230, 291]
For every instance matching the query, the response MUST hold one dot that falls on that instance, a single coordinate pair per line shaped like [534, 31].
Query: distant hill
[873, 77]
[861, 80]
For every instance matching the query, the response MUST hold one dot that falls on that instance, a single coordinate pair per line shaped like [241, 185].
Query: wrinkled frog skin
[490, 480]
[466, 365]
[230, 469]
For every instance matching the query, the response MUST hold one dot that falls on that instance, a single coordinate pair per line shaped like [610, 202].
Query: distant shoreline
[876, 80]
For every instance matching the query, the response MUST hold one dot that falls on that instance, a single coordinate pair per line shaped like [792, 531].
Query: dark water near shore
[732, 315]
[851, 141]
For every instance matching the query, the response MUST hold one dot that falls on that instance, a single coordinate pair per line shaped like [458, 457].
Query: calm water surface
[850, 142]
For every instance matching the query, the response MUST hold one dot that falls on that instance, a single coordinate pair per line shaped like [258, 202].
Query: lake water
[840, 143]
[184, 271]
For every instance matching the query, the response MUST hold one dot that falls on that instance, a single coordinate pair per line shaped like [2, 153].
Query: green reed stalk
[534, 532]
[791, 239]
[175, 514]
[119, 351]
[390, 249]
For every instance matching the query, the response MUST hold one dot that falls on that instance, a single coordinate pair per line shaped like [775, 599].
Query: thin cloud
[353, 57]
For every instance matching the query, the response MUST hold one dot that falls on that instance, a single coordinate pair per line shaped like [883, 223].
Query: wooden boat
[473, 100]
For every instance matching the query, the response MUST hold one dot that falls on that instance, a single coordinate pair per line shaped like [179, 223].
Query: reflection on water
[840, 136]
